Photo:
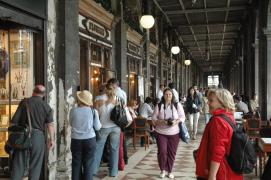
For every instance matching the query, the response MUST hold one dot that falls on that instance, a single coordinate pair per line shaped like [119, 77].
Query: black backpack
[118, 115]
[242, 157]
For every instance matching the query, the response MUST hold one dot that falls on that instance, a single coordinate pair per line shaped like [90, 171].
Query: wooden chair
[252, 127]
[265, 133]
[140, 129]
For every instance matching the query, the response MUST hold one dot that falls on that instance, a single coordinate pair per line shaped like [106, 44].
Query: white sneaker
[170, 176]
[163, 174]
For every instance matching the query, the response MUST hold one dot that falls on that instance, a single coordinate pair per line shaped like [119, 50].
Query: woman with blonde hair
[109, 129]
[132, 106]
[211, 161]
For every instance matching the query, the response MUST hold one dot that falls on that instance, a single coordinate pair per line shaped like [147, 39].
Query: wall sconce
[147, 21]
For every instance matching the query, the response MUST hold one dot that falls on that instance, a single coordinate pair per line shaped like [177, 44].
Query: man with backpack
[225, 153]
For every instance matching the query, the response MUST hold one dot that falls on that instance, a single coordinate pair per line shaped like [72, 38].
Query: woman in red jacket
[215, 144]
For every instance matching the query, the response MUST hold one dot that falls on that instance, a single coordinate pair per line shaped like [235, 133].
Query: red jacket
[215, 145]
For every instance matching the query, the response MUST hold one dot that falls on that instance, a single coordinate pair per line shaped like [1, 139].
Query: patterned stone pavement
[143, 164]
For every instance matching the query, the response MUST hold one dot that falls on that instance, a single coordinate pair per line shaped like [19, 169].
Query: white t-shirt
[121, 94]
[159, 94]
[104, 114]
[145, 110]
[176, 95]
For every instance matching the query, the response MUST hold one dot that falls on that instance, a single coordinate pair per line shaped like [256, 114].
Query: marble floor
[143, 164]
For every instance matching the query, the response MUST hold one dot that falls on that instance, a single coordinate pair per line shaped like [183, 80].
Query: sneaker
[170, 176]
[163, 174]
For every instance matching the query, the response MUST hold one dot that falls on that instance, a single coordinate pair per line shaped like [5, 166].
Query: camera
[170, 121]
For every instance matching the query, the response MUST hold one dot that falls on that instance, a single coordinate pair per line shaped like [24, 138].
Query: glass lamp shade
[175, 49]
[147, 21]
[187, 62]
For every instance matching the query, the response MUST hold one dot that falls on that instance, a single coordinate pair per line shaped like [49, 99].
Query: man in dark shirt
[41, 118]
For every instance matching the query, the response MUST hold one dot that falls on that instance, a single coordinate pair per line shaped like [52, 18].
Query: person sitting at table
[132, 107]
[240, 105]
[145, 109]
[253, 104]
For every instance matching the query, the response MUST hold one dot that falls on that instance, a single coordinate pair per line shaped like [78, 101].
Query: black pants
[34, 157]
[83, 151]
[267, 170]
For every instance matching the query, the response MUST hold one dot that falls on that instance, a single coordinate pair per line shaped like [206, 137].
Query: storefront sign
[93, 27]
[134, 49]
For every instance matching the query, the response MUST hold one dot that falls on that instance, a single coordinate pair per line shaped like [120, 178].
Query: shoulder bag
[19, 136]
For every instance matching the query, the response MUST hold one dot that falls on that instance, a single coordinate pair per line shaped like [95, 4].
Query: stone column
[256, 68]
[160, 60]
[267, 32]
[256, 50]
[147, 64]
[119, 31]
[51, 83]
[62, 79]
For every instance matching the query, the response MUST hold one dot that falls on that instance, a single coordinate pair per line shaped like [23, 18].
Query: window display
[16, 75]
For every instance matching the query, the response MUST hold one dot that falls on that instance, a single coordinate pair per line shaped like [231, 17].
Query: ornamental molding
[90, 8]
[134, 36]
[153, 48]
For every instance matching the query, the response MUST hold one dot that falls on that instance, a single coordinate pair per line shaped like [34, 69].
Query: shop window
[95, 74]
[107, 58]
[133, 65]
[96, 54]
[133, 86]
[16, 75]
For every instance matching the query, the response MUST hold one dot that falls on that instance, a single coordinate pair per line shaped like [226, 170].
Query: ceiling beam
[191, 28]
[212, 34]
[189, 11]
[214, 46]
[225, 20]
[209, 24]
[216, 51]
[212, 40]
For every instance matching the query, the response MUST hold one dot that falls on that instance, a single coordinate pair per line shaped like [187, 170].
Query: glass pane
[16, 75]
[107, 58]
[96, 54]
[21, 57]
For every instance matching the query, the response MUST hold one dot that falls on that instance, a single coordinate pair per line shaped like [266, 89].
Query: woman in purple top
[166, 117]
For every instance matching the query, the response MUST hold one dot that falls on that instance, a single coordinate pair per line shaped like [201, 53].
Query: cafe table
[265, 147]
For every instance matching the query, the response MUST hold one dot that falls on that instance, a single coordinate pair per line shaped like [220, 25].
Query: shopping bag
[184, 134]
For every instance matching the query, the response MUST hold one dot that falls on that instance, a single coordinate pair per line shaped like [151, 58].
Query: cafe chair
[253, 127]
[140, 129]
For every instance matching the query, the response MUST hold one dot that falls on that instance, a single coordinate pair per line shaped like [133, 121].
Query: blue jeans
[207, 117]
[83, 151]
[114, 135]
